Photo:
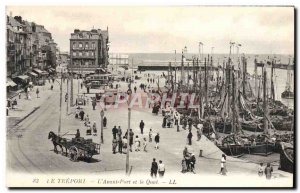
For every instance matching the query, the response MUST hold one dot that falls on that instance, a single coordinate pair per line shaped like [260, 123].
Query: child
[260, 169]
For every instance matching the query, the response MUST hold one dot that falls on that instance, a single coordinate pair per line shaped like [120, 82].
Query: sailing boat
[288, 93]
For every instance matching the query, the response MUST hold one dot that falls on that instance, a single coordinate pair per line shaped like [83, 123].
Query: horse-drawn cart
[76, 148]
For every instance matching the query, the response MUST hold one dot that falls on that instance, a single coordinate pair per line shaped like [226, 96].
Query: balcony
[84, 57]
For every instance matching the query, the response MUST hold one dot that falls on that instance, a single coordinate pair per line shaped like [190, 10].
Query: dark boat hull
[287, 95]
[263, 149]
[232, 150]
[286, 163]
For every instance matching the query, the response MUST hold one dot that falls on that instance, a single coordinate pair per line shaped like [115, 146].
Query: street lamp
[102, 114]
[129, 92]
[60, 102]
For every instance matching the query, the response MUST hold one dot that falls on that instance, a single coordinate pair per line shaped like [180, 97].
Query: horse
[56, 140]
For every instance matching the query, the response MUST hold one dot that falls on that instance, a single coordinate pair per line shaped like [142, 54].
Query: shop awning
[11, 83]
[33, 74]
[38, 71]
[23, 77]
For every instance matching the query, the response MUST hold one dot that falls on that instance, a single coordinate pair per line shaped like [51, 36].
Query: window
[86, 63]
[93, 45]
[74, 45]
[80, 53]
[86, 45]
[74, 53]
[86, 53]
[92, 53]
[80, 45]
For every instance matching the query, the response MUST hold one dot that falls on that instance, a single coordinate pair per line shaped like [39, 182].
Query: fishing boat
[234, 150]
[287, 158]
[264, 148]
[288, 93]
[231, 146]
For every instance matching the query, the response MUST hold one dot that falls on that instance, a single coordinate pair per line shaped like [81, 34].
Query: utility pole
[72, 76]
[175, 73]
[101, 136]
[67, 111]
[181, 76]
[128, 129]
[60, 103]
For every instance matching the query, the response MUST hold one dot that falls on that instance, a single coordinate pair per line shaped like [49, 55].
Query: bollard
[200, 154]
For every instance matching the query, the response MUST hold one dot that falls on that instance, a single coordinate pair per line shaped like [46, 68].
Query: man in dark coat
[81, 114]
[77, 135]
[190, 135]
[131, 134]
[164, 122]
[104, 122]
[94, 104]
[114, 132]
[190, 123]
[154, 168]
[120, 144]
[142, 125]
[156, 139]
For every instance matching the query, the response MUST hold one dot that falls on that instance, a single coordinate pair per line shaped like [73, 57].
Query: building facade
[88, 51]
[29, 48]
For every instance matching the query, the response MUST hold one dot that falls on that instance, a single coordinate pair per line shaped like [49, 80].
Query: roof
[23, 77]
[14, 22]
[38, 71]
[41, 29]
[11, 83]
[33, 74]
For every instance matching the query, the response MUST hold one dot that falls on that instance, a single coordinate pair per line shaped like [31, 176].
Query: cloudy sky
[260, 30]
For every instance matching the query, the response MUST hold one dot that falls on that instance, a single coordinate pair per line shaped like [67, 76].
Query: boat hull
[286, 163]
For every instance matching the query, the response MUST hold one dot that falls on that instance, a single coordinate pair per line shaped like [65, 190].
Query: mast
[255, 76]
[272, 82]
[233, 103]
[200, 92]
[182, 76]
[244, 76]
[188, 76]
[265, 101]
[205, 83]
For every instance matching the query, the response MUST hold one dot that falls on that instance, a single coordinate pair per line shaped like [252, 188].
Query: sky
[260, 30]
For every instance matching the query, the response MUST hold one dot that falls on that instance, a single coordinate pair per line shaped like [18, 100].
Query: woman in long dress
[223, 166]
[137, 143]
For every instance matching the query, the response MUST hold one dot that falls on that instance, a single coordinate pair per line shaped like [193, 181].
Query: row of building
[31, 52]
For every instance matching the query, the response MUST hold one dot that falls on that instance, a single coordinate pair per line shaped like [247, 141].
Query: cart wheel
[73, 153]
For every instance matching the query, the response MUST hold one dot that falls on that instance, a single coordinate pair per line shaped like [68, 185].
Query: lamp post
[67, 111]
[102, 115]
[175, 72]
[60, 102]
[129, 92]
